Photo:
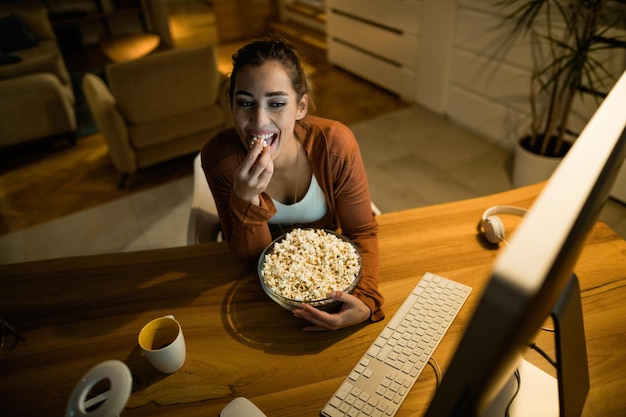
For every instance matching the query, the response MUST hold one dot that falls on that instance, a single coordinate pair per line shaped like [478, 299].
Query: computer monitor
[531, 274]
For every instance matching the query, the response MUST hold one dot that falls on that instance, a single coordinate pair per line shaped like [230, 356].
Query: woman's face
[265, 106]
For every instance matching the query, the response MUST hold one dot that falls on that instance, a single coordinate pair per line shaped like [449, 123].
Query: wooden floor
[43, 182]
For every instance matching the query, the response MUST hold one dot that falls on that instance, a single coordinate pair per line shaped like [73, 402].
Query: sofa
[158, 107]
[36, 96]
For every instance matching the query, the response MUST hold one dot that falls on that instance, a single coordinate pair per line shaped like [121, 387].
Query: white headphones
[492, 226]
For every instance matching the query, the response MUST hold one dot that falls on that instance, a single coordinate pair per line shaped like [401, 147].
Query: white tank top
[311, 208]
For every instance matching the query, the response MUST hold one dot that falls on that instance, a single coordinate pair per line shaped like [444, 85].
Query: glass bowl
[309, 268]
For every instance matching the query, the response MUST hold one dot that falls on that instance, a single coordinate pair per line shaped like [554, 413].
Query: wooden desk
[78, 312]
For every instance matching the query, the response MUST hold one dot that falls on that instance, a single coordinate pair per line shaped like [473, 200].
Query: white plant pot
[530, 168]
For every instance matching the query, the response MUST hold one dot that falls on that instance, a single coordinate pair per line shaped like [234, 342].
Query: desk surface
[78, 312]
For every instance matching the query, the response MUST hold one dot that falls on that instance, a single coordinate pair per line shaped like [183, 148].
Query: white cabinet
[377, 40]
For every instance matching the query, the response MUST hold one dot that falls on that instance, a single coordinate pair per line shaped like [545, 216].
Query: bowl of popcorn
[304, 265]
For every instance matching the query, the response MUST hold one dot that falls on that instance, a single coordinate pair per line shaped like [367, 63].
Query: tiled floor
[413, 158]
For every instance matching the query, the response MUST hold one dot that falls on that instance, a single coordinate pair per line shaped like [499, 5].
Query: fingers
[255, 151]
[254, 173]
[319, 320]
[353, 312]
[258, 162]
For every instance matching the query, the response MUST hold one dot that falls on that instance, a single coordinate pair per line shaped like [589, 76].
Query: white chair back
[204, 223]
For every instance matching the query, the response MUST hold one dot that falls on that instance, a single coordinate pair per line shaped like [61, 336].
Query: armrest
[110, 123]
[34, 106]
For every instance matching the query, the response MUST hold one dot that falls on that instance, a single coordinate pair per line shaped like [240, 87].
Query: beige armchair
[158, 107]
[36, 97]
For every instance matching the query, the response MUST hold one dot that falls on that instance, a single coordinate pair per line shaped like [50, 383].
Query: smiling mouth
[268, 139]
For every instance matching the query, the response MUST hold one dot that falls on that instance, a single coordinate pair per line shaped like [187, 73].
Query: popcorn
[257, 138]
[308, 264]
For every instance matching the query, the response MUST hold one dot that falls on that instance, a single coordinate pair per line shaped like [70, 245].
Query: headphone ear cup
[493, 229]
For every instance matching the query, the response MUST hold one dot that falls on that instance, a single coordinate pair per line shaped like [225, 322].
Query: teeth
[260, 137]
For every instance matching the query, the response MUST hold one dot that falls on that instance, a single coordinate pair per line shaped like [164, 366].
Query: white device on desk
[491, 225]
[241, 407]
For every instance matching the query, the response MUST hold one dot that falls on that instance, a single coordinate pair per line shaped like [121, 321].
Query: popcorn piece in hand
[255, 140]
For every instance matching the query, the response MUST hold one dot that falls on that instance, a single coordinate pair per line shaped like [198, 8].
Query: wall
[468, 74]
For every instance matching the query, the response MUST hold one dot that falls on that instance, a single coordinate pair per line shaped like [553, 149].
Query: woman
[279, 168]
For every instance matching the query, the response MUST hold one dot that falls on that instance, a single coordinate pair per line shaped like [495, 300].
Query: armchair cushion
[164, 85]
[15, 34]
[32, 107]
[160, 131]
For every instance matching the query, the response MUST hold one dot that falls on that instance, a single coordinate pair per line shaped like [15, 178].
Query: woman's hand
[353, 312]
[254, 174]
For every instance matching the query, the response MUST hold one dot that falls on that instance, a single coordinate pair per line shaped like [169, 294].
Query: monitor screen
[530, 274]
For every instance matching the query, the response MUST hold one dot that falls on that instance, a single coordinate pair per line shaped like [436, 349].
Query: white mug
[163, 344]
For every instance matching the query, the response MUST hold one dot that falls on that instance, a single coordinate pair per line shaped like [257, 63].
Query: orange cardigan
[334, 156]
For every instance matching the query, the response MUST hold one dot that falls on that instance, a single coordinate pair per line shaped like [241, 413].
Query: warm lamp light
[120, 48]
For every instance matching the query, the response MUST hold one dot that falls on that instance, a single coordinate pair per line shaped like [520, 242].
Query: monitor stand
[540, 394]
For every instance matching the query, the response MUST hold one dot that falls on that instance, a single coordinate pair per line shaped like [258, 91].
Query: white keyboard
[385, 374]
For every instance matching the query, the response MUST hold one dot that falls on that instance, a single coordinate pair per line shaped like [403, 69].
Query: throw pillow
[15, 34]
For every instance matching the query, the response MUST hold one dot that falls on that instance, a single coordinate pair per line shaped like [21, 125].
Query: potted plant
[569, 40]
